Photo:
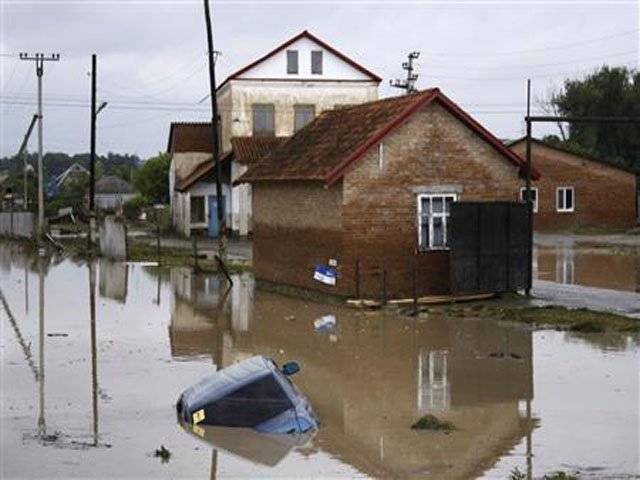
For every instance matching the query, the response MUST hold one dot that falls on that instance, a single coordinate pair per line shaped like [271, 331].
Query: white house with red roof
[273, 96]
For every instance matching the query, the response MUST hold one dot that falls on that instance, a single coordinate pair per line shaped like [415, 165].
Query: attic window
[292, 61]
[316, 62]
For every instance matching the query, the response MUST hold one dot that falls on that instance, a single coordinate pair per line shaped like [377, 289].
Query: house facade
[112, 192]
[368, 188]
[575, 191]
[275, 96]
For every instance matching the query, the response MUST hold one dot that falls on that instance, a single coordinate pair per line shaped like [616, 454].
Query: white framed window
[433, 217]
[534, 197]
[565, 199]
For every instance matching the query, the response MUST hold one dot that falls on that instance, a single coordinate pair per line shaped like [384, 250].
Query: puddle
[615, 268]
[553, 400]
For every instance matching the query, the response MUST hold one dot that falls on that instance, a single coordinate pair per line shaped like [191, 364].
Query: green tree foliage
[73, 193]
[55, 163]
[607, 92]
[152, 179]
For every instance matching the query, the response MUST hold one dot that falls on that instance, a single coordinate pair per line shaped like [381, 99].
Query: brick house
[575, 191]
[373, 183]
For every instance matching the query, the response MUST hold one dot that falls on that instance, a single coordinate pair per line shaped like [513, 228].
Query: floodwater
[93, 395]
[604, 266]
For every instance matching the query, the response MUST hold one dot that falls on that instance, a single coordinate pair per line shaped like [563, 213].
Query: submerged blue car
[253, 393]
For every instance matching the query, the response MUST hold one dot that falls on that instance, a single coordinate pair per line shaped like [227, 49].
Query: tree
[610, 91]
[152, 179]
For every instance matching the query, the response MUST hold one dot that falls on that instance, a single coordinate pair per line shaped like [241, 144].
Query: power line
[538, 65]
[540, 49]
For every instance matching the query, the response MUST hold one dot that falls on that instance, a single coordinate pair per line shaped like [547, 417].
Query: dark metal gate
[489, 244]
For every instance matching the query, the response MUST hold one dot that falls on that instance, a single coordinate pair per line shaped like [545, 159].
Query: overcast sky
[152, 62]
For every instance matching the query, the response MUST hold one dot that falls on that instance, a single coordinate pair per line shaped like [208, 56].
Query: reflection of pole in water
[26, 289]
[529, 451]
[158, 286]
[213, 474]
[94, 354]
[42, 428]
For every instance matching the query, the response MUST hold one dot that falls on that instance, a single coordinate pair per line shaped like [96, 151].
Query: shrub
[133, 207]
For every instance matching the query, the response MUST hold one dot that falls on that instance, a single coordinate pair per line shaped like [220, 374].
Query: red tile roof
[310, 36]
[328, 146]
[245, 150]
[249, 150]
[190, 137]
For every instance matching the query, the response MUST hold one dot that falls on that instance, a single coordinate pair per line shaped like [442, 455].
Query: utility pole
[528, 198]
[40, 58]
[21, 153]
[222, 244]
[409, 84]
[92, 155]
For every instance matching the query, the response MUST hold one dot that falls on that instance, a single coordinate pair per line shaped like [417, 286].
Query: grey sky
[152, 63]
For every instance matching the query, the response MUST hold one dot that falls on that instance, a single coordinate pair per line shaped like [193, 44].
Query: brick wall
[431, 151]
[371, 216]
[605, 197]
[296, 227]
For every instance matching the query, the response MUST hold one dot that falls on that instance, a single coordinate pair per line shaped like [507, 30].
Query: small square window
[292, 61]
[316, 62]
[565, 201]
[534, 197]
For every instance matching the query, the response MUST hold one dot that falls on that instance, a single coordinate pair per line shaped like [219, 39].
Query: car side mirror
[290, 368]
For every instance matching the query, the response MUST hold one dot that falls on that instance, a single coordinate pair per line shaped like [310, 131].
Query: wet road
[92, 395]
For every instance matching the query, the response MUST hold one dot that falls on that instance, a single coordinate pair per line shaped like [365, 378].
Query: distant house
[579, 191]
[275, 96]
[75, 172]
[371, 186]
[112, 192]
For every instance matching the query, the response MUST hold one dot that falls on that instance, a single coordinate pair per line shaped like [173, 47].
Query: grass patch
[431, 422]
[576, 320]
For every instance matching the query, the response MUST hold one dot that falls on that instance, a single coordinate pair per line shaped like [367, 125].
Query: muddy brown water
[603, 266]
[94, 395]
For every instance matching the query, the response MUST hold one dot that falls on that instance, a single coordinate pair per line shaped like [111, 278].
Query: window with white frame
[433, 216]
[534, 197]
[565, 199]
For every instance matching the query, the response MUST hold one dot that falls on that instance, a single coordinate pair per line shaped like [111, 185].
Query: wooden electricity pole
[222, 241]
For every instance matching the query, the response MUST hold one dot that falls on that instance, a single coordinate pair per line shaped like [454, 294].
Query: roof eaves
[499, 146]
[282, 46]
[336, 173]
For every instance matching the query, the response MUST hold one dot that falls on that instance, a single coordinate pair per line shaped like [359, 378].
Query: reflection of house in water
[202, 312]
[113, 280]
[378, 374]
[590, 266]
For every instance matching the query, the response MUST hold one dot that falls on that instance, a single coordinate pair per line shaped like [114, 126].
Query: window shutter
[316, 61]
[292, 61]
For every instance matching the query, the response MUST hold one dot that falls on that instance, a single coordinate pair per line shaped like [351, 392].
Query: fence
[17, 224]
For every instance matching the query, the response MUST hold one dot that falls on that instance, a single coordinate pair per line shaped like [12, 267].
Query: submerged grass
[431, 422]
[577, 320]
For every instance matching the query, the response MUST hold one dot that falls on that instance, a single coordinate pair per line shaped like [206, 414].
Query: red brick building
[373, 183]
[576, 191]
